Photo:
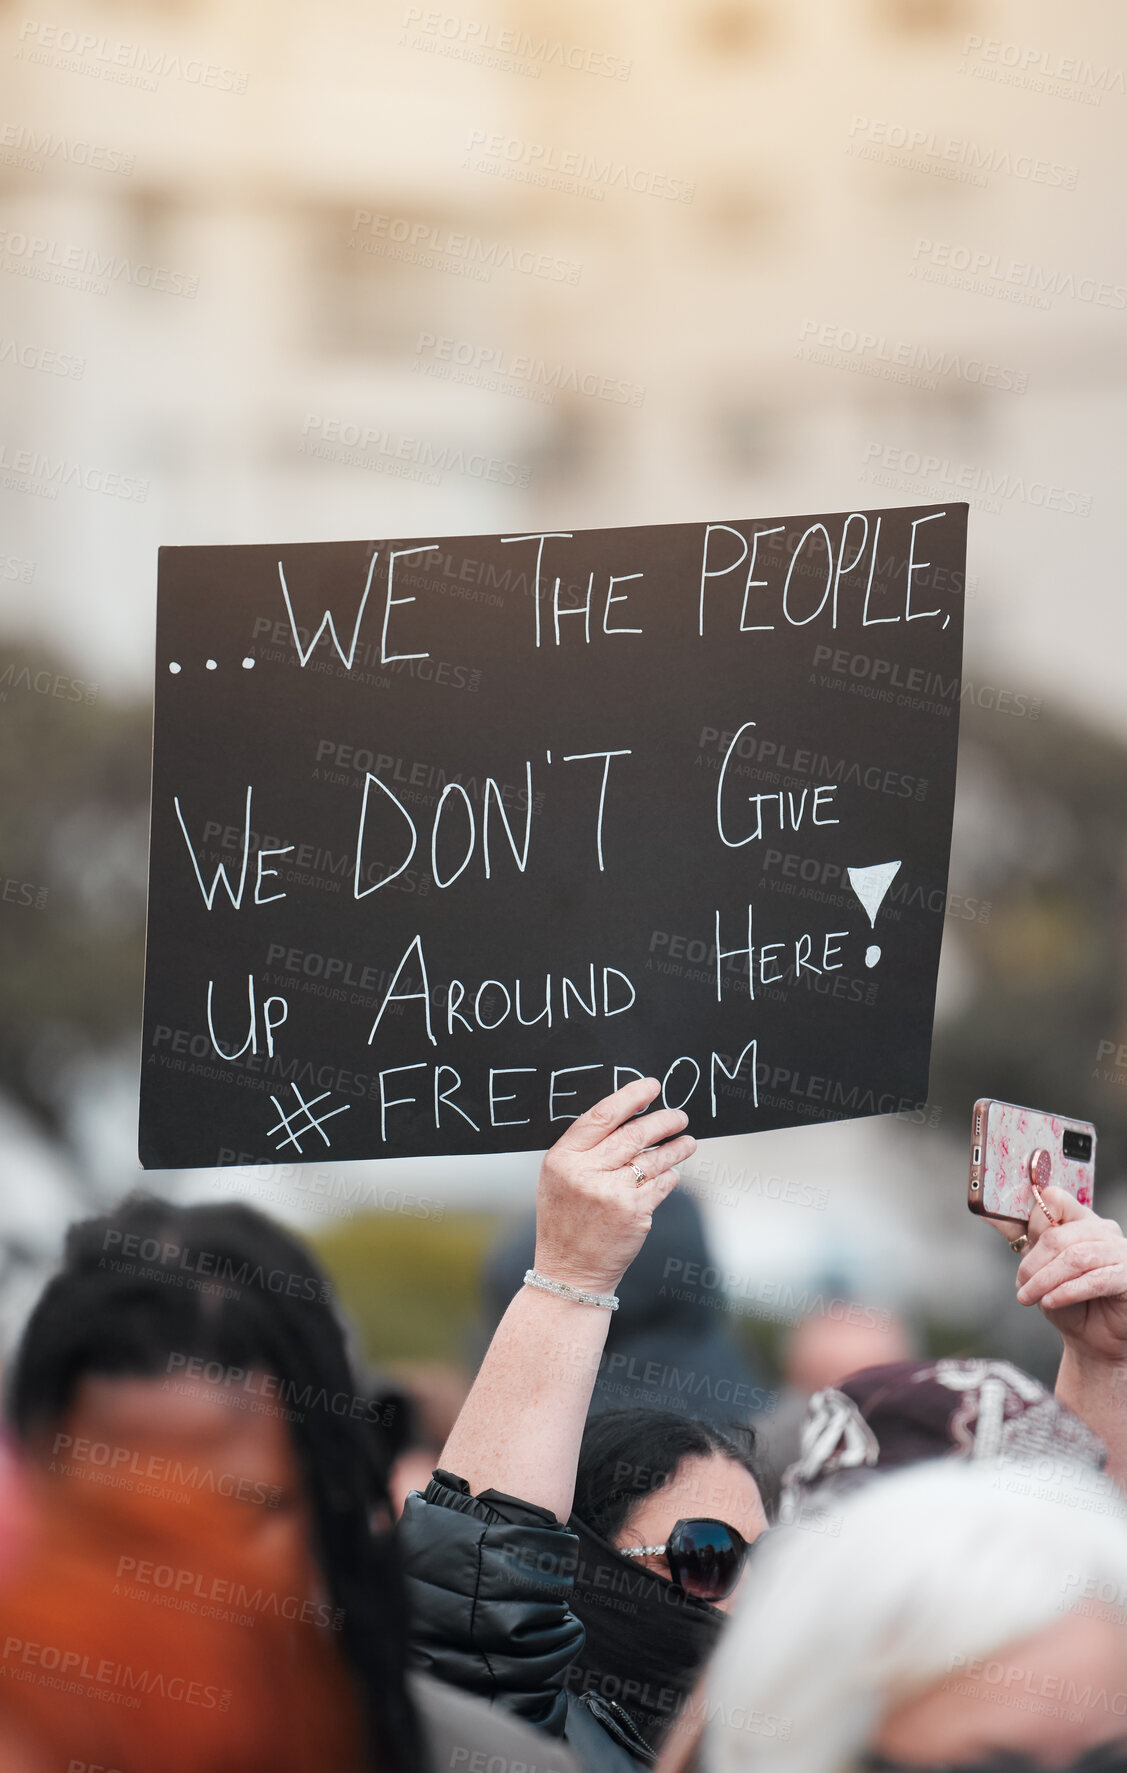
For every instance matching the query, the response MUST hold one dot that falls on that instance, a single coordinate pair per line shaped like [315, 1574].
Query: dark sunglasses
[705, 1557]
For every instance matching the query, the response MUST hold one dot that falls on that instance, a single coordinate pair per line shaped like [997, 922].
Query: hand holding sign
[592, 1213]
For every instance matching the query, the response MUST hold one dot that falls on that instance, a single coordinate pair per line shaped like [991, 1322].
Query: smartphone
[1005, 1141]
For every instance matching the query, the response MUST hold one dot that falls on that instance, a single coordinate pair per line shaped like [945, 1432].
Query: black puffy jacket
[490, 1581]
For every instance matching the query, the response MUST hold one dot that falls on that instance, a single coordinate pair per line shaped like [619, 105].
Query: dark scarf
[647, 1640]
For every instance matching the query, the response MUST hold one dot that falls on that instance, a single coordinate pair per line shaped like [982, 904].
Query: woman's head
[642, 1471]
[943, 1616]
[647, 1635]
[206, 1336]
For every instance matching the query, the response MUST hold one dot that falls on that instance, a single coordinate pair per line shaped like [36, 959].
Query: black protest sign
[452, 835]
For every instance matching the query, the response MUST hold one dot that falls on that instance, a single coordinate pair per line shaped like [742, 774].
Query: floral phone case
[1003, 1140]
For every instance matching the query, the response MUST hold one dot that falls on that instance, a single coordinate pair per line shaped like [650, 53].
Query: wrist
[1081, 1362]
[587, 1278]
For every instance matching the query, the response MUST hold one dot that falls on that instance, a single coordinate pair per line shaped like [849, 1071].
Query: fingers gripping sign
[592, 1209]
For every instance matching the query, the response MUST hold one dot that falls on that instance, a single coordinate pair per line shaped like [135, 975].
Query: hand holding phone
[1076, 1271]
[1015, 1150]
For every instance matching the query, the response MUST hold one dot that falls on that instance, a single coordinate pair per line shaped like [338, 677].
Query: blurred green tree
[74, 783]
[1041, 848]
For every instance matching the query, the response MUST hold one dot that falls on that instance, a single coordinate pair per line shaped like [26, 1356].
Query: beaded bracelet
[608, 1301]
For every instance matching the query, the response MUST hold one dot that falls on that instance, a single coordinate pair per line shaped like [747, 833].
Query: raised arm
[1076, 1271]
[520, 1427]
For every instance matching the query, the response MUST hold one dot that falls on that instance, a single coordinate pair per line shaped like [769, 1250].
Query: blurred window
[732, 30]
[737, 215]
[751, 437]
[368, 288]
[923, 17]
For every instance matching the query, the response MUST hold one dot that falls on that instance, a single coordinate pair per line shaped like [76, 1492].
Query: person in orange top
[167, 1632]
[206, 1583]
[184, 1391]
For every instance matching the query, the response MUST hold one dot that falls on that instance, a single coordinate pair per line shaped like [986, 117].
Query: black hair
[627, 1453]
[149, 1284]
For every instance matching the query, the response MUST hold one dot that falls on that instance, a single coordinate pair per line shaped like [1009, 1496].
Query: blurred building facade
[296, 272]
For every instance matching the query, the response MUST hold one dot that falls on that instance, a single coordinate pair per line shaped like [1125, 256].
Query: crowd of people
[221, 1549]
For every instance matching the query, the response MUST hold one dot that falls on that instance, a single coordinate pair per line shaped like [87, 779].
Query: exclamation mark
[870, 886]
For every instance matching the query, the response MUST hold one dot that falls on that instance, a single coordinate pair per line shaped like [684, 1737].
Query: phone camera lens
[1077, 1145]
